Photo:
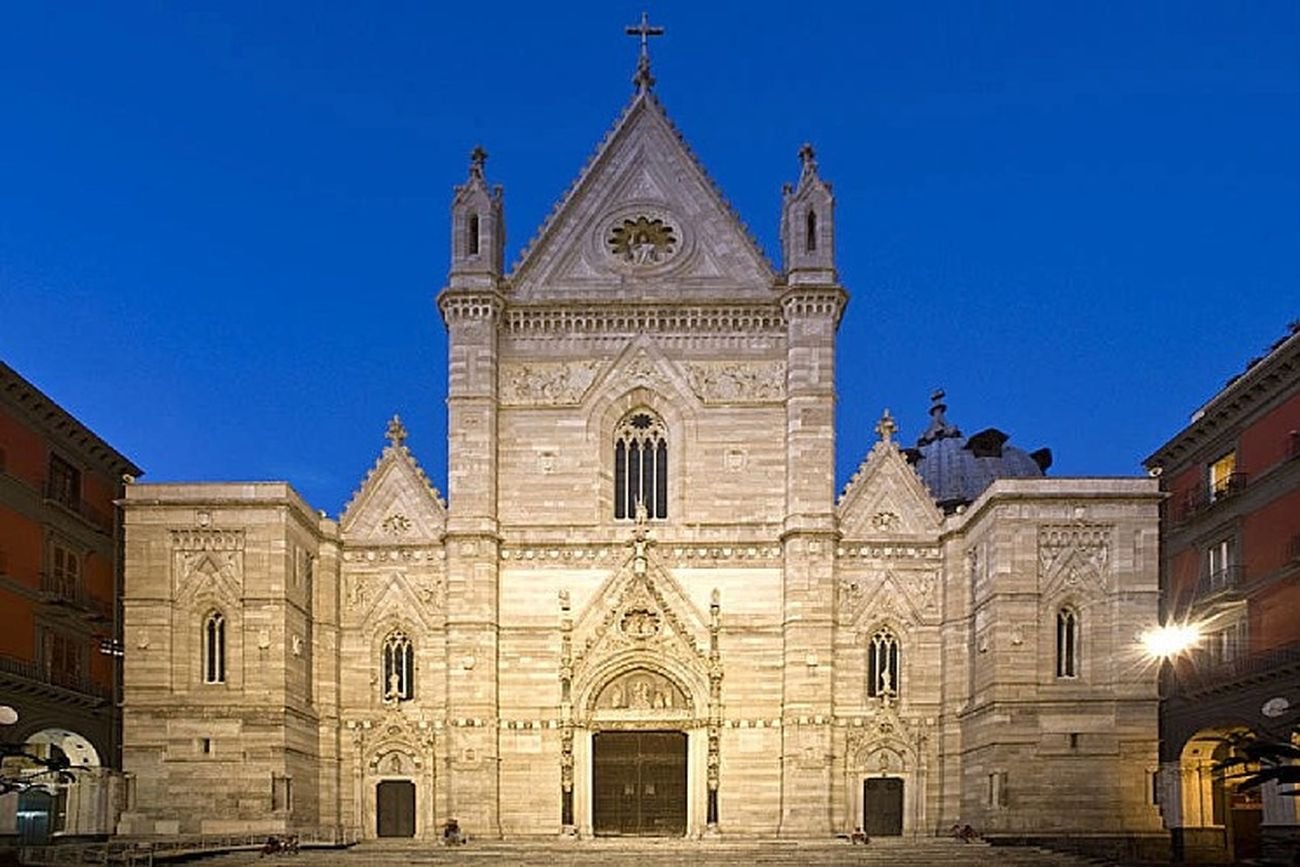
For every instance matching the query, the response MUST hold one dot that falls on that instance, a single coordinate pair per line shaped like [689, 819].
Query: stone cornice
[1265, 381]
[59, 426]
[460, 304]
[810, 301]
[621, 317]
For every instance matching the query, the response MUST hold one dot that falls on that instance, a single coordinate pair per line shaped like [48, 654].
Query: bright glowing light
[1171, 640]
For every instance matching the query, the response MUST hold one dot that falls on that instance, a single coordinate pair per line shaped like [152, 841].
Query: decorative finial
[643, 79]
[477, 158]
[886, 427]
[808, 157]
[396, 432]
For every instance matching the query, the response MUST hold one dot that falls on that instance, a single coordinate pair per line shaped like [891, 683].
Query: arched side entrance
[76, 801]
[1215, 820]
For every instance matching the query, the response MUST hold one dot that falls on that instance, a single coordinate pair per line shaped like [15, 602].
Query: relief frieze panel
[732, 381]
[547, 383]
[207, 559]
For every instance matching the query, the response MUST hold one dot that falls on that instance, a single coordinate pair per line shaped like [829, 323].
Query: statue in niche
[394, 687]
[395, 764]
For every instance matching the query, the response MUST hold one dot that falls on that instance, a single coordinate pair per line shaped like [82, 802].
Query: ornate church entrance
[882, 807]
[395, 801]
[639, 783]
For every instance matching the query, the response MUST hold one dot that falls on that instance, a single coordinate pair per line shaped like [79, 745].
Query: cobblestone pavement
[895, 852]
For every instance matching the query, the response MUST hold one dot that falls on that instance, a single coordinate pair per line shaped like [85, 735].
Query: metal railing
[1201, 672]
[70, 590]
[36, 672]
[141, 851]
[1227, 578]
[60, 496]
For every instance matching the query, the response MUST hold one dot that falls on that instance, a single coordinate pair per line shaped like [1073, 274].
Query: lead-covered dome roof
[957, 468]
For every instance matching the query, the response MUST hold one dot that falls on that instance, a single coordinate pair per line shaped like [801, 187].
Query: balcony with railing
[68, 592]
[1223, 580]
[59, 495]
[1192, 503]
[1203, 671]
[34, 673]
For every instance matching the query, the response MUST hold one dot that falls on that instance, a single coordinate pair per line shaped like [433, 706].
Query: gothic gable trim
[642, 166]
[396, 502]
[885, 498]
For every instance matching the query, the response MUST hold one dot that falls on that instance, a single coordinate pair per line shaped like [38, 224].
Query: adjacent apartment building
[60, 579]
[1230, 567]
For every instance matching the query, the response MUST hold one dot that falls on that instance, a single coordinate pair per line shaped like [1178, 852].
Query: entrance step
[656, 852]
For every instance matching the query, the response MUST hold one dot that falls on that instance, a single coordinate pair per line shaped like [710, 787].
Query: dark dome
[957, 469]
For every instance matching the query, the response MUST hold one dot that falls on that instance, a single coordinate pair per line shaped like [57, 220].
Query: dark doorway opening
[882, 807]
[395, 801]
[639, 783]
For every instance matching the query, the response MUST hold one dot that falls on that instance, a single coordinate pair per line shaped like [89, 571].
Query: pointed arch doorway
[639, 783]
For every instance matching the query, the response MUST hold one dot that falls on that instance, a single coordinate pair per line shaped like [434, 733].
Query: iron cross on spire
[643, 79]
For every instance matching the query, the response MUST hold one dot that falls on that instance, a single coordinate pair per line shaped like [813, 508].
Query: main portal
[639, 783]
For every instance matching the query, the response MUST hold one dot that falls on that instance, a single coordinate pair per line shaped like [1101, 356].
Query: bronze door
[639, 783]
[882, 807]
[395, 801]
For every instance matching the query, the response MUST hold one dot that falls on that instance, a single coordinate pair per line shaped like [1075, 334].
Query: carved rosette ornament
[642, 240]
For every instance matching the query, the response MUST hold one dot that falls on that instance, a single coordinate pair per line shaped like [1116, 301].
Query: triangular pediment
[643, 221]
[885, 499]
[396, 504]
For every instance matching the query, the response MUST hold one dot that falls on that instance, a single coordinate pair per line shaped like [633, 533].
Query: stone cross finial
[643, 79]
[477, 158]
[808, 157]
[396, 432]
[886, 427]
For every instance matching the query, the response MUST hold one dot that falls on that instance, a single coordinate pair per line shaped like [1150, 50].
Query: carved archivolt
[547, 383]
[725, 381]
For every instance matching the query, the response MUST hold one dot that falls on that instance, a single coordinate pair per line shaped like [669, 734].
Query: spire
[396, 432]
[939, 427]
[643, 79]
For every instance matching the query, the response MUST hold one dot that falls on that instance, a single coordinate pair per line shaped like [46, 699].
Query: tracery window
[399, 667]
[1067, 643]
[641, 465]
[883, 665]
[214, 648]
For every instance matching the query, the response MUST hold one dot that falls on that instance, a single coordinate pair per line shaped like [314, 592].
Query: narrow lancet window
[214, 648]
[810, 233]
[399, 667]
[883, 665]
[471, 235]
[1067, 643]
[641, 465]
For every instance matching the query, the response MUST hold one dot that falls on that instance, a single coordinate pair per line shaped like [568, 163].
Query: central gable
[642, 222]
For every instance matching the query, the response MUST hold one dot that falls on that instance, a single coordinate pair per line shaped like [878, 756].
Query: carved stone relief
[212, 558]
[641, 690]
[723, 381]
[1074, 556]
[547, 383]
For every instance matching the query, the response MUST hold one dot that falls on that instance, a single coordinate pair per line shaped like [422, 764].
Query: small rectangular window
[63, 484]
[205, 746]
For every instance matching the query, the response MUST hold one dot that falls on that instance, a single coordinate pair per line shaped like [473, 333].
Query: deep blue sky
[222, 225]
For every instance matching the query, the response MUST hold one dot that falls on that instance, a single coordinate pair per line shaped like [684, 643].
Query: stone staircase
[895, 851]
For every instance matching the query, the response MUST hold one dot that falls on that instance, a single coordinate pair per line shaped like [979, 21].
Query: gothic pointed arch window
[641, 465]
[810, 232]
[399, 667]
[1067, 642]
[472, 235]
[214, 648]
[883, 664]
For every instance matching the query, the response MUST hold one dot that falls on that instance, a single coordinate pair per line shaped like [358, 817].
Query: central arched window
[1067, 643]
[641, 465]
[214, 648]
[883, 665]
[399, 667]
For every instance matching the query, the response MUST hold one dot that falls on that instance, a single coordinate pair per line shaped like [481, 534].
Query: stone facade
[642, 534]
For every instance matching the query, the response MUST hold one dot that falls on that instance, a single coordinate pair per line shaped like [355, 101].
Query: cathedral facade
[642, 607]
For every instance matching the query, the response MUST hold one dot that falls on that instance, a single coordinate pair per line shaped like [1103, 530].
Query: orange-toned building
[60, 580]
[1230, 567]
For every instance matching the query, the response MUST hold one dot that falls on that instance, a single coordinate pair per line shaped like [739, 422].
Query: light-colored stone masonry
[744, 618]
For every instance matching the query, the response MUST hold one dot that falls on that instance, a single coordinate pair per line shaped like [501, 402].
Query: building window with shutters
[641, 466]
[214, 648]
